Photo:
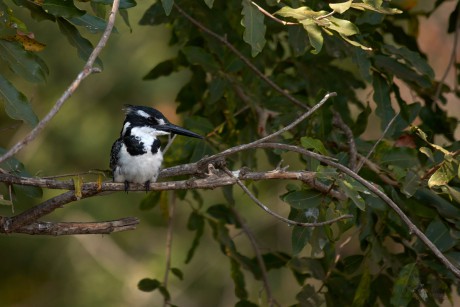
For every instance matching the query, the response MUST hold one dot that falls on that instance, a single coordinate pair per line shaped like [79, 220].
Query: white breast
[138, 169]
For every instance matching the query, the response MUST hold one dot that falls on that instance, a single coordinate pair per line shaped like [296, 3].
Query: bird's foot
[147, 186]
[126, 186]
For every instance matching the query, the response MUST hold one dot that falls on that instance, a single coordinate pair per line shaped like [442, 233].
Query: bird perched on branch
[136, 156]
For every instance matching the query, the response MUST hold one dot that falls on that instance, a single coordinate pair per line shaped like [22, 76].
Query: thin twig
[412, 227]
[276, 215]
[246, 61]
[371, 151]
[338, 121]
[271, 16]
[263, 269]
[169, 238]
[87, 70]
[171, 140]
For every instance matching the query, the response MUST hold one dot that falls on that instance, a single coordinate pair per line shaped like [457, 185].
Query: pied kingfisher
[136, 156]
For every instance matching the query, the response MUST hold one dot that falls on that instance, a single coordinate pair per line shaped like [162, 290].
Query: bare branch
[338, 121]
[279, 217]
[87, 70]
[76, 228]
[169, 238]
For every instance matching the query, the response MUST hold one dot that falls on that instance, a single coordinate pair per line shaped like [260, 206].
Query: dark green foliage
[364, 45]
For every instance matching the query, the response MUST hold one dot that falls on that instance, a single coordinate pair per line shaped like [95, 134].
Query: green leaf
[402, 71]
[297, 39]
[308, 297]
[92, 23]
[148, 284]
[217, 88]
[342, 26]
[167, 6]
[341, 7]
[412, 58]
[124, 4]
[363, 290]
[352, 193]
[62, 8]
[178, 273]
[125, 16]
[384, 109]
[164, 68]
[300, 13]
[195, 223]
[300, 238]
[382, 10]
[154, 15]
[315, 144]
[444, 174]
[198, 56]
[411, 184]
[315, 37]
[405, 285]
[16, 104]
[23, 63]
[439, 234]
[83, 46]
[361, 59]
[254, 33]
[304, 199]
[209, 3]
[238, 280]
[222, 213]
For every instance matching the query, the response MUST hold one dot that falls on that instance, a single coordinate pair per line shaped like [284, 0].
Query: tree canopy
[331, 148]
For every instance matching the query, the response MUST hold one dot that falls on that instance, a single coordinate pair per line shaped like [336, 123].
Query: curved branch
[88, 69]
[412, 227]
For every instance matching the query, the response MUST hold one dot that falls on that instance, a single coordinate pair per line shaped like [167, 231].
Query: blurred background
[104, 270]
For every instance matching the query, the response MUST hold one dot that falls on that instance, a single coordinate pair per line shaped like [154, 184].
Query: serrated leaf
[341, 7]
[315, 144]
[16, 104]
[62, 8]
[254, 33]
[167, 6]
[23, 63]
[148, 284]
[92, 23]
[444, 174]
[408, 280]
[384, 110]
[83, 46]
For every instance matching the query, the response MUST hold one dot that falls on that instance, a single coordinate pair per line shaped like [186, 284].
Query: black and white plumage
[136, 156]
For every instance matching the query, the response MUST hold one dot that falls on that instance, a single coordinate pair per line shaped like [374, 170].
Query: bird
[136, 156]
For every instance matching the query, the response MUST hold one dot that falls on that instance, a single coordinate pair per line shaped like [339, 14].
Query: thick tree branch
[88, 69]
[76, 228]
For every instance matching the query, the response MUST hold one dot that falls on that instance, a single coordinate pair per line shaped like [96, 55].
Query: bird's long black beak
[168, 127]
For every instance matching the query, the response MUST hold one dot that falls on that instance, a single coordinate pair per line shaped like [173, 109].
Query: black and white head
[152, 122]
